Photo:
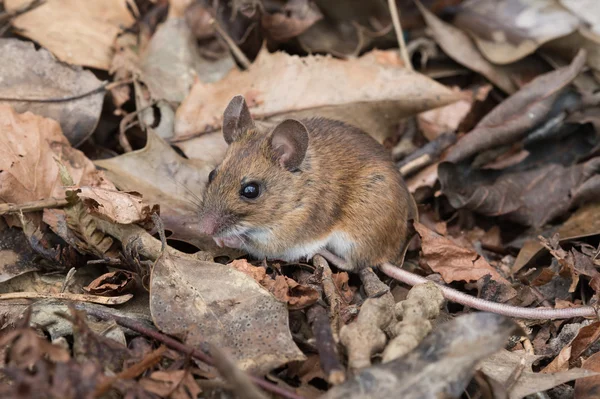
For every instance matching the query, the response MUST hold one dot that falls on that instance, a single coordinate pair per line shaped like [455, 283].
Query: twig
[185, 349]
[126, 124]
[237, 53]
[331, 293]
[239, 381]
[103, 300]
[32, 206]
[398, 28]
[330, 363]
[416, 165]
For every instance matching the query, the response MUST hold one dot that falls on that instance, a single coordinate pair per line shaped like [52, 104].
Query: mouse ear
[236, 119]
[289, 142]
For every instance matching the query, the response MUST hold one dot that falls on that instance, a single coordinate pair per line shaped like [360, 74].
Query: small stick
[185, 349]
[103, 300]
[237, 53]
[32, 206]
[398, 28]
[453, 295]
[330, 363]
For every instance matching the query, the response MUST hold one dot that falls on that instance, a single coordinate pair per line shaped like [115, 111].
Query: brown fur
[346, 182]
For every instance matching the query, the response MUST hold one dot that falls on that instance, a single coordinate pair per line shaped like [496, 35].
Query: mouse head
[258, 183]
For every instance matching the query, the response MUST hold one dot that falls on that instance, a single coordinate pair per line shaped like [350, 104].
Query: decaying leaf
[210, 302]
[588, 388]
[280, 86]
[175, 384]
[116, 206]
[296, 295]
[503, 364]
[532, 197]
[171, 62]
[16, 255]
[28, 73]
[507, 30]
[29, 145]
[453, 262]
[291, 20]
[441, 366]
[113, 283]
[460, 47]
[513, 117]
[80, 33]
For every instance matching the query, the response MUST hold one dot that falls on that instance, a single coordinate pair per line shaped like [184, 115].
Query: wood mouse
[320, 186]
[305, 186]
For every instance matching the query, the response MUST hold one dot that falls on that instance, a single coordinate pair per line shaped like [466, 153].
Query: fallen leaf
[588, 388]
[460, 47]
[441, 366]
[115, 206]
[171, 63]
[16, 255]
[533, 197]
[295, 17]
[453, 262]
[586, 10]
[501, 366]
[513, 117]
[35, 74]
[173, 384]
[507, 30]
[210, 302]
[392, 93]
[29, 145]
[113, 283]
[80, 33]
[586, 337]
[559, 363]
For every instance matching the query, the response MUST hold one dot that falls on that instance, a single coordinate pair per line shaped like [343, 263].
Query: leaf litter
[99, 198]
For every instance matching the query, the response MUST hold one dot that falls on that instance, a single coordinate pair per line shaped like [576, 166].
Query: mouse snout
[209, 224]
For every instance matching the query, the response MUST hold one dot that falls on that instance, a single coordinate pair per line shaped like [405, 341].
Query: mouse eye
[250, 190]
[211, 175]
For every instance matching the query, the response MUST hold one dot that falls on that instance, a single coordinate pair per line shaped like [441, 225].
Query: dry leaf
[295, 17]
[174, 384]
[113, 283]
[77, 32]
[116, 206]
[29, 145]
[29, 73]
[513, 117]
[507, 30]
[453, 262]
[210, 302]
[372, 92]
[588, 388]
[171, 63]
[16, 255]
[460, 47]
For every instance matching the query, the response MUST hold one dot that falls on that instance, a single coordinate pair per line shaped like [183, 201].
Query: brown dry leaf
[560, 362]
[171, 63]
[115, 206]
[453, 262]
[285, 289]
[295, 17]
[435, 122]
[113, 283]
[533, 197]
[341, 283]
[210, 302]
[588, 388]
[33, 74]
[80, 33]
[342, 93]
[460, 47]
[16, 255]
[440, 367]
[508, 30]
[29, 145]
[586, 337]
[502, 366]
[583, 223]
[175, 384]
[513, 117]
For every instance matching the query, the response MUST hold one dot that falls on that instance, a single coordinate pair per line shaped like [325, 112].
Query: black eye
[211, 175]
[250, 190]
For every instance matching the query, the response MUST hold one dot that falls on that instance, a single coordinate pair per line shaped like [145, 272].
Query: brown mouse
[305, 186]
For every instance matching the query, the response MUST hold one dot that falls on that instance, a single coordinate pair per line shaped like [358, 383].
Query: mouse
[304, 186]
[320, 186]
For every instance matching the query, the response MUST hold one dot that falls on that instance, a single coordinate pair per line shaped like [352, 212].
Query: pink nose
[209, 225]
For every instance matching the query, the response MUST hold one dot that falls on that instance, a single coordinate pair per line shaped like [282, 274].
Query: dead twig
[183, 348]
[330, 363]
[103, 300]
[398, 28]
[237, 53]
[32, 206]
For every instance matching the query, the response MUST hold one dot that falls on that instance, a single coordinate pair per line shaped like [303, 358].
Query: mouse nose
[209, 225]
